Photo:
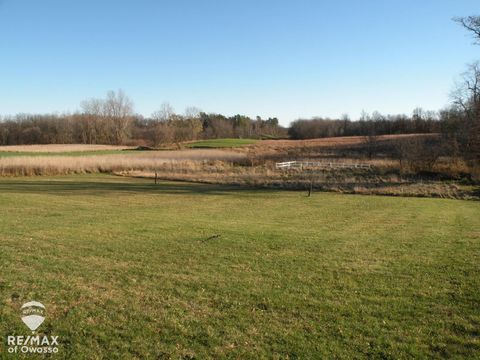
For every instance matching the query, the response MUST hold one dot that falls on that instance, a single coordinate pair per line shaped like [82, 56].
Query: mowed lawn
[128, 269]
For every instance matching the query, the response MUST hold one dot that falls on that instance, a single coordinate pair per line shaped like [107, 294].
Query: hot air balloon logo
[33, 314]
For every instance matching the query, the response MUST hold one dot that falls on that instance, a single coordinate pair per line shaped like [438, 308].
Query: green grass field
[127, 269]
[221, 143]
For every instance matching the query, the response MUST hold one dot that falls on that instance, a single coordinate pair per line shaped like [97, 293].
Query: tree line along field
[130, 269]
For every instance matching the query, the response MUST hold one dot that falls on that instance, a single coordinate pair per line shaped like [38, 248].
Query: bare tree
[118, 109]
[91, 125]
[107, 120]
[371, 139]
[162, 133]
[118, 104]
[164, 128]
[192, 112]
[466, 98]
[472, 24]
[467, 93]
[165, 113]
[92, 107]
[418, 154]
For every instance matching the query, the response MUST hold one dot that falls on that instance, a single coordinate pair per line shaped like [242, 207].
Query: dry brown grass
[420, 189]
[335, 147]
[227, 166]
[391, 185]
[332, 141]
[61, 148]
[379, 181]
[55, 165]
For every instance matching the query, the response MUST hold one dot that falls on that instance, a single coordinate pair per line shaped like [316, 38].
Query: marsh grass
[123, 161]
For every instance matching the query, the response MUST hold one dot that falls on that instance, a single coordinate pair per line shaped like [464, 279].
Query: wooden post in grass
[156, 176]
[310, 175]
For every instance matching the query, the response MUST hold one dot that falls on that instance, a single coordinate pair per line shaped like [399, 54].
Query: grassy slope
[221, 143]
[125, 271]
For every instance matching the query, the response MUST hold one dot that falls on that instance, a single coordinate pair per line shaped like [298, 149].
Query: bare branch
[472, 24]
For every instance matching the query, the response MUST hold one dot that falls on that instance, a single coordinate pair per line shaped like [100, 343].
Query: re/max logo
[32, 340]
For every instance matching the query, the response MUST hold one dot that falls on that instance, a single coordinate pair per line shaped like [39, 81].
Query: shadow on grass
[476, 192]
[83, 187]
[110, 185]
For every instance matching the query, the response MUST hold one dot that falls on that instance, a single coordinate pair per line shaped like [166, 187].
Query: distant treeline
[115, 127]
[112, 121]
[459, 126]
[368, 125]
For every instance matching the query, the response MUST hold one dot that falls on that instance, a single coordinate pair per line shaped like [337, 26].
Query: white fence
[320, 165]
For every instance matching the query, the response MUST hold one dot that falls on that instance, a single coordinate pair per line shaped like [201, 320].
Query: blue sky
[288, 59]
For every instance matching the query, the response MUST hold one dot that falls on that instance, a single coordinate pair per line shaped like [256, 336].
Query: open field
[220, 143]
[345, 181]
[338, 147]
[128, 269]
[262, 148]
[63, 163]
[212, 143]
[334, 142]
[84, 153]
[61, 148]
[70, 150]
[254, 165]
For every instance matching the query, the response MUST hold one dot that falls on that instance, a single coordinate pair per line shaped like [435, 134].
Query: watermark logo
[33, 314]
